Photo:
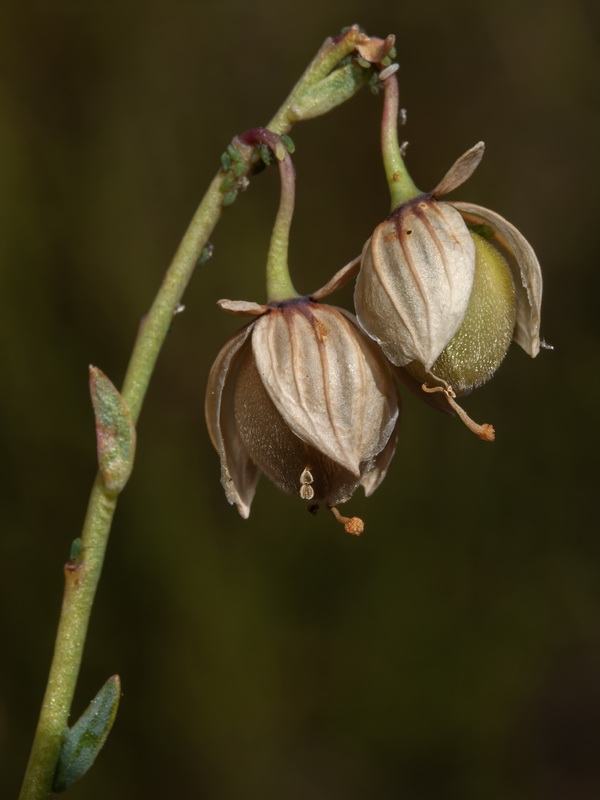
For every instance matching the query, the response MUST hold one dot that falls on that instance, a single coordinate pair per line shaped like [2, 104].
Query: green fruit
[480, 344]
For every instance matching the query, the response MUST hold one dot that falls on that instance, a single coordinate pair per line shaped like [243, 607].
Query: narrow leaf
[115, 432]
[83, 742]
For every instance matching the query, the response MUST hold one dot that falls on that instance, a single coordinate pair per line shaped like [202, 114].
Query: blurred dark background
[452, 651]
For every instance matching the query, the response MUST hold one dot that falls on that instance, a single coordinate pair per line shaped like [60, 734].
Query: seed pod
[444, 287]
[304, 396]
[479, 346]
[415, 281]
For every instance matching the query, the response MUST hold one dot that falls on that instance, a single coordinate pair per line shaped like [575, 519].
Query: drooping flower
[444, 287]
[302, 395]
[418, 279]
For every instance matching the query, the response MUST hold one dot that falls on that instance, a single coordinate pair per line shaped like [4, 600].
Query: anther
[306, 490]
[306, 476]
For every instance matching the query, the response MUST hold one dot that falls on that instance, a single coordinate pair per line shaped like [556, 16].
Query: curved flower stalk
[444, 287]
[300, 394]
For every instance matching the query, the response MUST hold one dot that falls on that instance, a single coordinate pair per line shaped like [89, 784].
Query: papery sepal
[460, 171]
[525, 268]
[415, 281]
[303, 353]
[239, 474]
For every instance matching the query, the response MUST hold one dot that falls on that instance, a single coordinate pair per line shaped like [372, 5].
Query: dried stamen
[306, 490]
[353, 525]
[485, 431]
[306, 476]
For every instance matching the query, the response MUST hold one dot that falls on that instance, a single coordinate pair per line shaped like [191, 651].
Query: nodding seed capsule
[444, 287]
[301, 391]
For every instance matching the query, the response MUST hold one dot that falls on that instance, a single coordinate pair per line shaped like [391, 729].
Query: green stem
[160, 317]
[279, 283]
[400, 183]
[81, 580]
[83, 574]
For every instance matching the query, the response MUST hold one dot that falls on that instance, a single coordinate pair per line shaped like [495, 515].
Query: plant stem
[81, 579]
[158, 320]
[80, 585]
[400, 183]
[279, 283]
[82, 574]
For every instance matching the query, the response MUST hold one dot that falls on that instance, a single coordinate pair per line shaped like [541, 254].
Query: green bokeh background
[452, 651]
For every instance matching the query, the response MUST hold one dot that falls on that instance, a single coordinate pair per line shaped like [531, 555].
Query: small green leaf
[239, 168]
[288, 142]
[339, 86]
[265, 154]
[234, 153]
[225, 161]
[229, 198]
[75, 550]
[205, 254]
[227, 182]
[115, 432]
[82, 743]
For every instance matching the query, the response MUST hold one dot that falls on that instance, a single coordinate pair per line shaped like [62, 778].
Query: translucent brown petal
[244, 308]
[415, 281]
[328, 382]
[340, 279]
[460, 171]
[376, 471]
[288, 461]
[239, 474]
